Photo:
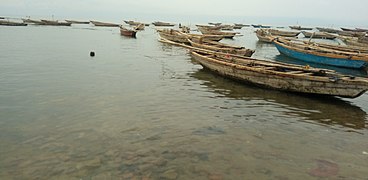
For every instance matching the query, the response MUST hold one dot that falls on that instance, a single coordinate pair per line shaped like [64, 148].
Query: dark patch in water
[209, 131]
[324, 169]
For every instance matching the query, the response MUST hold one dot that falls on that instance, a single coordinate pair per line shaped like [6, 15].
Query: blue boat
[321, 56]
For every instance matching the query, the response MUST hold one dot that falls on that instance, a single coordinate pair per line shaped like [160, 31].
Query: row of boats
[235, 62]
[26, 21]
[346, 56]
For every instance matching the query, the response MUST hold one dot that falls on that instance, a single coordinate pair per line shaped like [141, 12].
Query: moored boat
[264, 36]
[159, 23]
[353, 42]
[351, 33]
[11, 23]
[328, 30]
[361, 30]
[173, 35]
[32, 21]
[135, 23]
[276, 32]
[221, 47]
[207, 37]
[128, 32]
[281, 76]
[105, 24]
[217, 32]
[300, 28]
[55, 23]
[322, 55]
[352, 30]
[321, 35]
[77, 22]
[208, 27]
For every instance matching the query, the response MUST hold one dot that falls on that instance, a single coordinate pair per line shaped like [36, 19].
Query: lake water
[141, 109]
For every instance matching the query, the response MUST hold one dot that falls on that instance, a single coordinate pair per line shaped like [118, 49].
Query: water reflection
[329, 111]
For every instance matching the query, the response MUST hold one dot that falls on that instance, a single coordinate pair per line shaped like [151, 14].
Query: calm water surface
[141, 109]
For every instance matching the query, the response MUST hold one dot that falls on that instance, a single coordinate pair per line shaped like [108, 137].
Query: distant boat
[320, 35]
[315, 54]
[224, 48]
[32, 21]
[208, 27]
[276, 32]
[135, 23]
[351, 33]
[361, 30]
[105, 24]
[55, 23]
[256, 25]
[77, 22]
[328, 30]
[159, 23]
[348, 29]
[215, 24]
[282, 76]
[264, 36]
[239, 26]
[300, 28]
[173, 35]
[128, 32]
[353, 42]
[217, 32]
[11, 23]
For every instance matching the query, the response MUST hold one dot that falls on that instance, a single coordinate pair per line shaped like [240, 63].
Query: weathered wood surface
[283, 78]
[221, 47]
[128, 32]
[320, 35]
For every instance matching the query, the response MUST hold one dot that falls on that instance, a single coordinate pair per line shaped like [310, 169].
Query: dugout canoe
[283, 76]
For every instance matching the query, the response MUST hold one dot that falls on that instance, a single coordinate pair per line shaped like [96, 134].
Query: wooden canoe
[353, 49]
[351, 33]
[205, 37]
[264, 36]
[351, 30]
[276, 32]
[321, 55]
[135, 23]
[207, 27]
[55, 23]
[77, 22]
[216, 32]
[300, 28]
[221, 47]
[354, 42]
[128, 32]
[282, 76]
[328, 30]
[104, 24]
[11, 23]
[159, 23]
[319, 35]
[173, 35]
[32, 21]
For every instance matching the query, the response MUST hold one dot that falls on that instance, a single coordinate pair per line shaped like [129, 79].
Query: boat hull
[281, 82]
[346, 63]
[128, 33]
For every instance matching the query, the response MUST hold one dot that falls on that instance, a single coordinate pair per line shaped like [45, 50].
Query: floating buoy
[92, 54]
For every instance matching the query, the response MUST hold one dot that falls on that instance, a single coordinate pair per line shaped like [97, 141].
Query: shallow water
[142, 109]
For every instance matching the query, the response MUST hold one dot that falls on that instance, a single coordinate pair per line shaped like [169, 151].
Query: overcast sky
[343, 12]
